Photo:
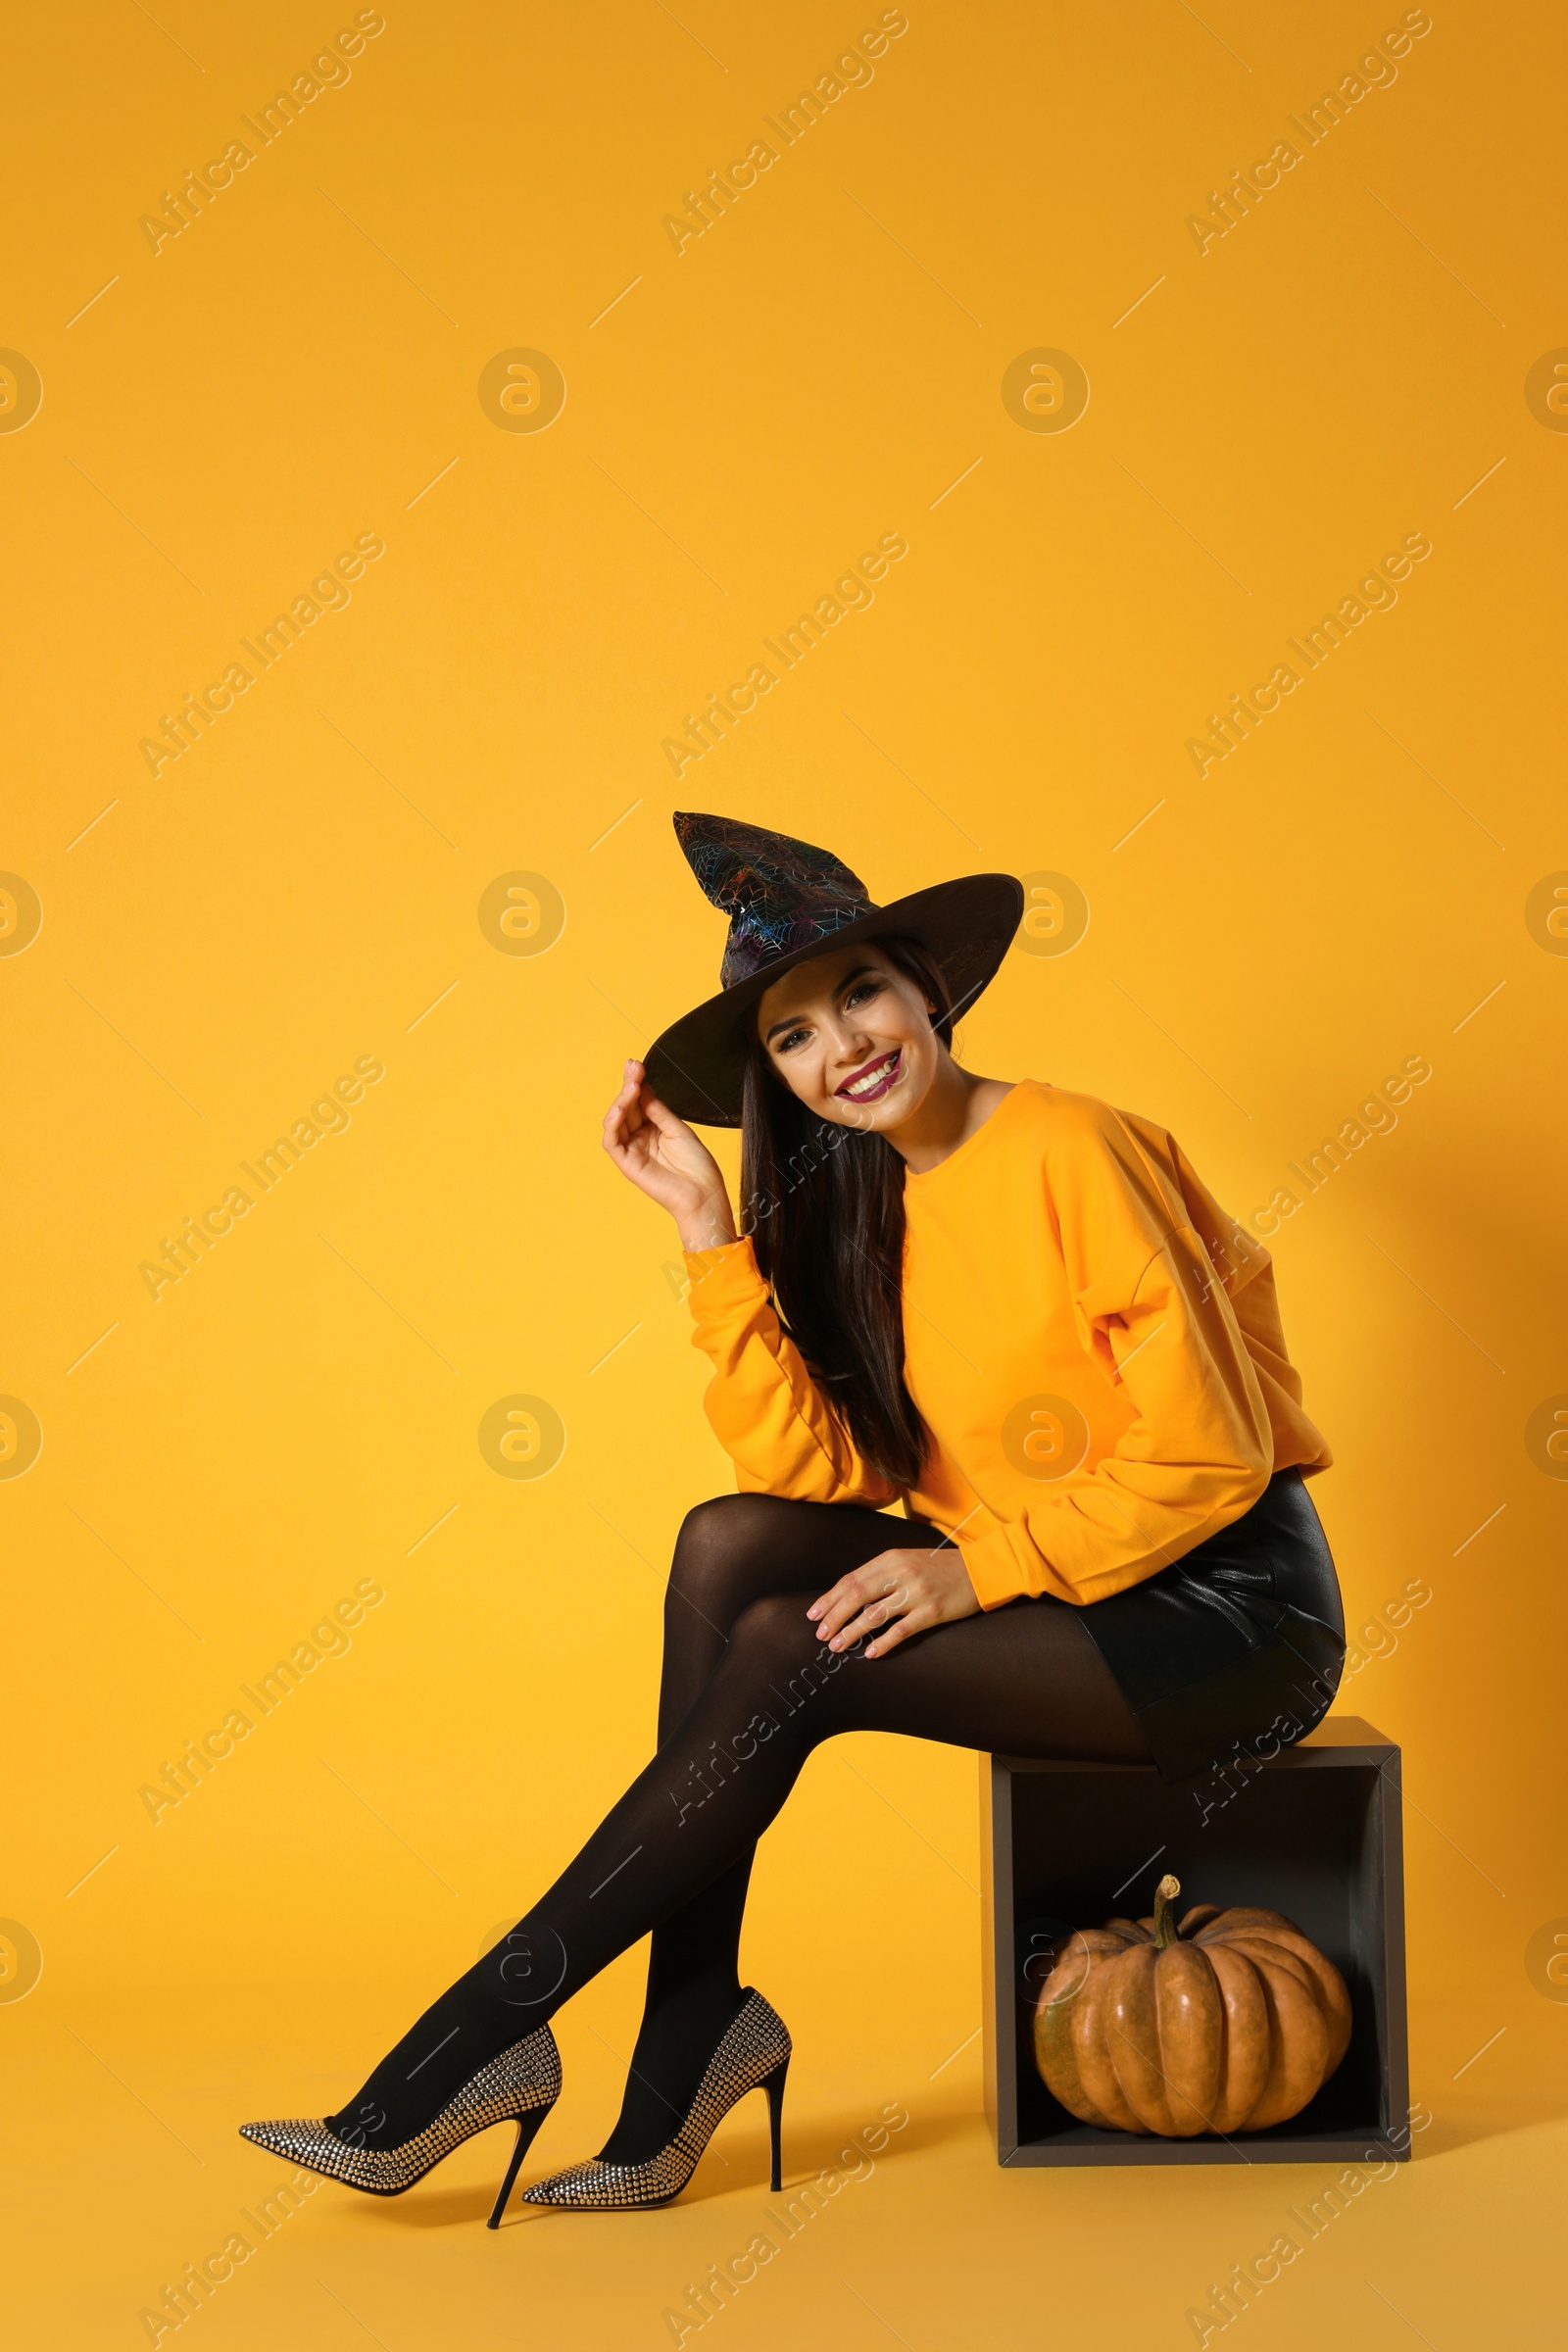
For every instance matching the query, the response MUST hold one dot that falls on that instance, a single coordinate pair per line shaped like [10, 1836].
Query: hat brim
[698, 1067]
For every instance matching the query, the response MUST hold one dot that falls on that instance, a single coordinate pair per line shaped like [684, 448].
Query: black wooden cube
[1315, 1833]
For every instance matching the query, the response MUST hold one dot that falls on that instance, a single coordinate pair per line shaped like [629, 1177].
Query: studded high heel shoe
[520, 2088]
[753, 2056]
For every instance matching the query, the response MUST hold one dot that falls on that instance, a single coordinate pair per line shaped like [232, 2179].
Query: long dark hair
[824, 1207]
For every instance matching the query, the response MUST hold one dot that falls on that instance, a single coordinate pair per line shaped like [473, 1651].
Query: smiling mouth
[870, 1084]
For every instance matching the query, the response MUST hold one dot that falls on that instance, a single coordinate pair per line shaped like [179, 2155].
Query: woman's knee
[723, 1524]
[718, 1552]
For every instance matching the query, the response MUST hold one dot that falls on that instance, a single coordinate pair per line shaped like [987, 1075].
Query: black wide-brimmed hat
[788, 902]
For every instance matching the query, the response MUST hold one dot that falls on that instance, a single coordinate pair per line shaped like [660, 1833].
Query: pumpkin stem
[1165, 1895]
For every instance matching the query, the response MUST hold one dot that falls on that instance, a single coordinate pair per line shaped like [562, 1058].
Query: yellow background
[294, 369]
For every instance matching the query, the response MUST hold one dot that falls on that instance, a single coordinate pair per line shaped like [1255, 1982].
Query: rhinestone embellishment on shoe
[757, 2043]
[525, 2076]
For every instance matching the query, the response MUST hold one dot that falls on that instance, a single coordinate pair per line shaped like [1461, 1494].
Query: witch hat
[788, 901]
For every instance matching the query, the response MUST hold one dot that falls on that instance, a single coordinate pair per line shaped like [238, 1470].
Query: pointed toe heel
[520, 2087]
[753, 2056]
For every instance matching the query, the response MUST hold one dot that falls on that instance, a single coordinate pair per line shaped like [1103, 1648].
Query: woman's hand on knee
[898, 1593]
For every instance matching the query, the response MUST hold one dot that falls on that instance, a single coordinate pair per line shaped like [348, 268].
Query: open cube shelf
[1315, 1833]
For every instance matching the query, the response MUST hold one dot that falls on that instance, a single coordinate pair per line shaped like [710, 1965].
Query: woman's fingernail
[870, 1649]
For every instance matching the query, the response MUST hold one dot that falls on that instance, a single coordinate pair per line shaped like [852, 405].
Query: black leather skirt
[1238, 1649]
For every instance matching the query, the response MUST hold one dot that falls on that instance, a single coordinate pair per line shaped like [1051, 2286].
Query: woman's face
[851, 1035]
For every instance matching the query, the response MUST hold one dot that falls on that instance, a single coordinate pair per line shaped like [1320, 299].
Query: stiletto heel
[773, 2084]
[520, 2088]
[753, 2056]
[527, 2127]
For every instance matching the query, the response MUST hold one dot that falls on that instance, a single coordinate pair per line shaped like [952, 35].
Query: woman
[1014, 1309]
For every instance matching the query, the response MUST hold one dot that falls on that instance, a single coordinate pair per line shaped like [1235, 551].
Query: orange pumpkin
[1229, 2021]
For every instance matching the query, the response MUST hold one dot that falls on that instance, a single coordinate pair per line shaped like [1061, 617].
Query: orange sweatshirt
[1094, 1345]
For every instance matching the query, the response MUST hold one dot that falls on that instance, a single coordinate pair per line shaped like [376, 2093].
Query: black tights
[747, 1693]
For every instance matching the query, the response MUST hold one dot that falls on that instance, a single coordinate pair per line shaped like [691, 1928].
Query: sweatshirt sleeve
[765, 1410]
[1151, 1308]
[1247, 1270]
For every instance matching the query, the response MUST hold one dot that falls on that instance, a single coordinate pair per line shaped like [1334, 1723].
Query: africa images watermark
[199, 2281]
[719, 1763]
[1375, 594]
[724, 2280]
[329, 593]
[1376, 71]
[182, 1777]
[851, 594]
[800, 1167]
[1379, 1637]
[329, 69]
[1246, 2282]
[1377, 1115]
[183, 1253]
[853, 71]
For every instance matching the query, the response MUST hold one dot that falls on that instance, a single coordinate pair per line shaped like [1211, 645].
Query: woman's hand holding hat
[659, 1155]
